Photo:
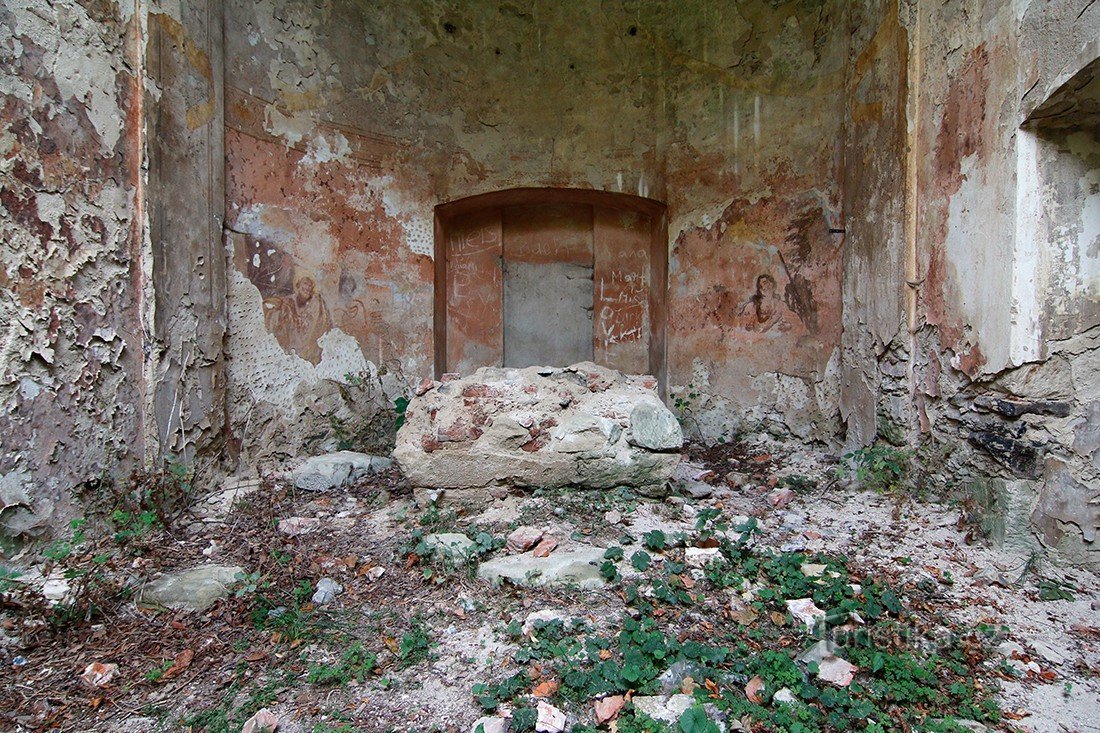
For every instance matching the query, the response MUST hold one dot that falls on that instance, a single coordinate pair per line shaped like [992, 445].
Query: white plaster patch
[323, 150]
[698, 218]
[293, 127]
[414, 220]
[258, 363]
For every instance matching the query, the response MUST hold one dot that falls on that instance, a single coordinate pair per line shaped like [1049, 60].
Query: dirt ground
[432, 630]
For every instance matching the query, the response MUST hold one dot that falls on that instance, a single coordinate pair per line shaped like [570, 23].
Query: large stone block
[583, 425]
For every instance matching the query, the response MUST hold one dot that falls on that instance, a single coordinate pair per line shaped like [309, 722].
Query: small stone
[613, 517]
[523, 539]
[490, 724]
[696, 489]
[98, 674]
[784, 696]
[830, 668]
[836, 671]
[608, 708]
[454, 545]
[780, 498]
[423, 388]
[813, 570]
[550, 719]
[681, 674]
[545, 547]
[295, 526]
[738, 480]
[335, 470]
[579, 566]
[667, 710]
[699, 557]
[655, 427]
[264, 721]
[806, 611]
[544, 616]
[327, 590]
[56, 588]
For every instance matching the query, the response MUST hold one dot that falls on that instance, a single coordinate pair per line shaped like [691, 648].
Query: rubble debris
[523, 539]
[578, 566]
[665, 709]
[326, 591]
[264, 721]
[509, 427]
[196, 589]
[98, 674]
[332, 471]
[550, 719]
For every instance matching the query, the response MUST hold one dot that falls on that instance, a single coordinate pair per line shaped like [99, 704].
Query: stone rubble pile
[583, 425]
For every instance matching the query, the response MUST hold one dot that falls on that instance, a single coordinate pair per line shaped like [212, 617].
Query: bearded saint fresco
[299, 320]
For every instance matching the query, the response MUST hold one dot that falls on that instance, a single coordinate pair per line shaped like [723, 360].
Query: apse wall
[346, 123]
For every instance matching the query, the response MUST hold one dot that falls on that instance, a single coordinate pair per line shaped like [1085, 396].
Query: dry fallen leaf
[546, 689]
[744, 616]
[753, 690]
[606, 654]
[264, 721]
[608, 708]
[180, 663]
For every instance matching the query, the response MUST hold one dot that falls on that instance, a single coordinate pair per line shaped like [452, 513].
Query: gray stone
[580, 567]
[190, 590]
[665, 709]
[449, 544]
[490, 724]
[336, 470]
[696, 489]
[655, 427]
[219, 505]
[672, 679]
[785, 696]
[327, 590]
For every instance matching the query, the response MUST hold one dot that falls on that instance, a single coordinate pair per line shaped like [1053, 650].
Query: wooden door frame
[656, 211]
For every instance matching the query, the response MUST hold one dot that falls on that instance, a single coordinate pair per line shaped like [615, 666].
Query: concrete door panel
[547, 313]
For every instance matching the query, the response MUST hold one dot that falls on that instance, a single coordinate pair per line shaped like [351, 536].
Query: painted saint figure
[763, 308]
[300, 320]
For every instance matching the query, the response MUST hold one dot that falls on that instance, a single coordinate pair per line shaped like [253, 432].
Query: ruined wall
[1005, 360]
[348, 122]
[70, 231]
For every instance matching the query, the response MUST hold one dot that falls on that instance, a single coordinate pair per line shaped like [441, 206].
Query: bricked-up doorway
[549, 277]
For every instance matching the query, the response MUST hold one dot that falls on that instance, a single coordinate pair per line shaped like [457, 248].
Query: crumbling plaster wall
[348, 122]
[70, 231]
[986, 340]
[112, 290]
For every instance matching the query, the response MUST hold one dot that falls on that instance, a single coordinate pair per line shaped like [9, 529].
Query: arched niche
[549, 276]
